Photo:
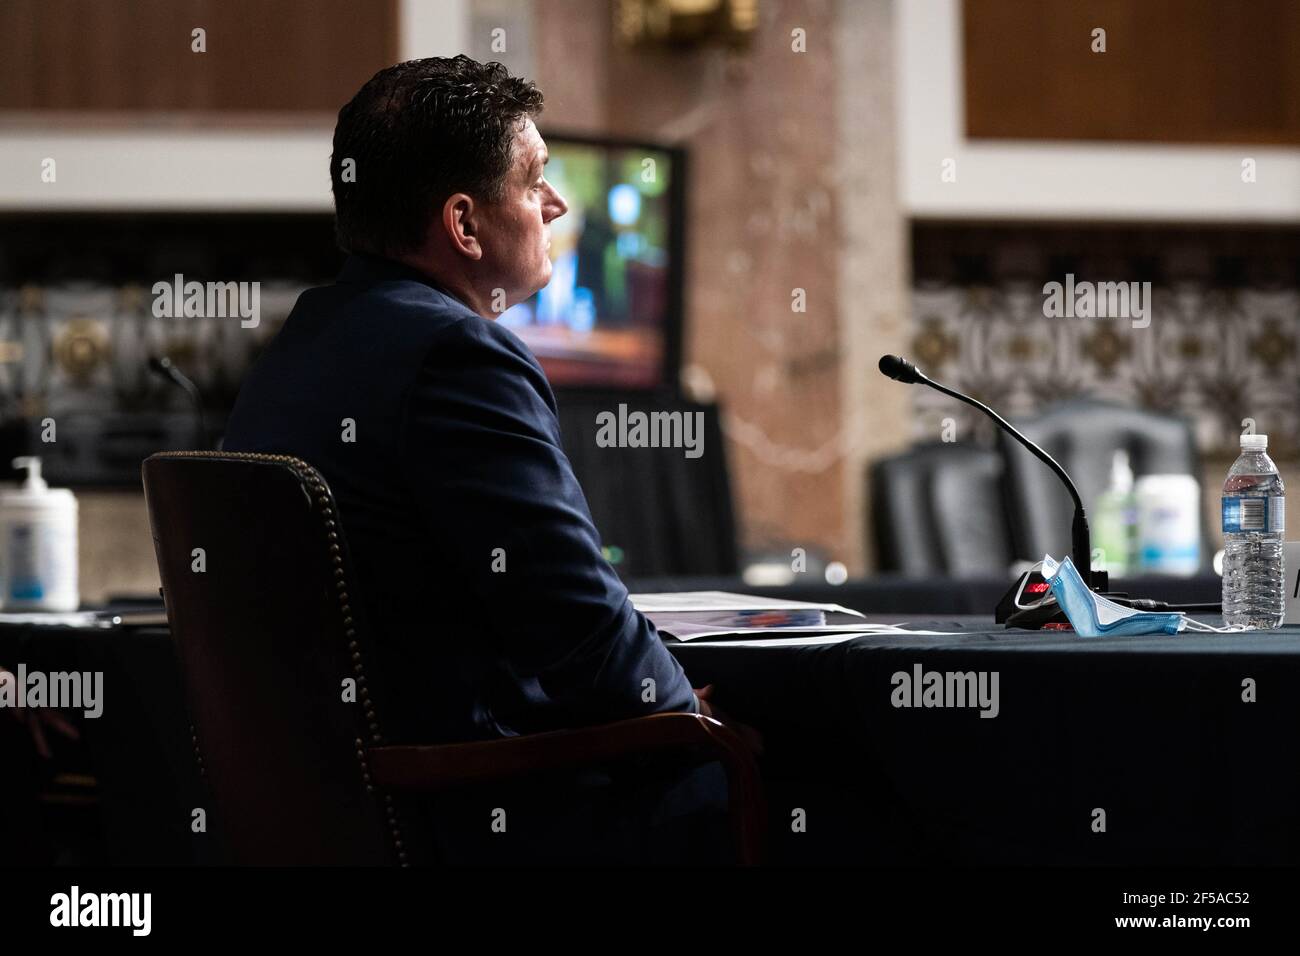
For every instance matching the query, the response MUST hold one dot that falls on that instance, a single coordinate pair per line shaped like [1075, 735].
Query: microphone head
[900, 369]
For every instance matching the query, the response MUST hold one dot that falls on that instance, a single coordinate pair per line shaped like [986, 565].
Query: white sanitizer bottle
[38, 545]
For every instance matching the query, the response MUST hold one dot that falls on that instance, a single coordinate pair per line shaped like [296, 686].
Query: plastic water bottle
[1254, 522]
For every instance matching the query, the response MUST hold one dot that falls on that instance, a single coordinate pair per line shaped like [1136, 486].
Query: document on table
[691, 614]
[56, 618]
[744, 620]
[775, 640]
[821, 634]
[669, 603]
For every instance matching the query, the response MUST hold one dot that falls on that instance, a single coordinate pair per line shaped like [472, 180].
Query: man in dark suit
[479, 568]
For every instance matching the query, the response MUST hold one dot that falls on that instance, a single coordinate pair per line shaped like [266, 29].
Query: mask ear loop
[1210, 628]
[1048, 598]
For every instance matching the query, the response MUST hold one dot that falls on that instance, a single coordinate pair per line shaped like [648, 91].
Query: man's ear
[461, 220]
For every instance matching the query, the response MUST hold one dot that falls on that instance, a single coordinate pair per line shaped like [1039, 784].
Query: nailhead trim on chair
[198, 754]
[310, 477]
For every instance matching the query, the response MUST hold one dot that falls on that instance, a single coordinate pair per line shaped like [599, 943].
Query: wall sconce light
[685, 23]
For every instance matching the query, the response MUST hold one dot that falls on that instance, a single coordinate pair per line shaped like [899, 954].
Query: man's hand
[38, 720]
[710, 709]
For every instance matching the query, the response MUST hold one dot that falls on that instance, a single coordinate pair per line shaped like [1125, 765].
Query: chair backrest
[691, 529]
[937, 510]
[268, 631]
[1083, 436]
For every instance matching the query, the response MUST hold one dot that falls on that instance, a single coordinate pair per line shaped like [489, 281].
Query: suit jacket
[490, 606]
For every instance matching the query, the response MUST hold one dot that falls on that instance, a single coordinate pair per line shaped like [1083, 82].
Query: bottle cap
[1254, 442]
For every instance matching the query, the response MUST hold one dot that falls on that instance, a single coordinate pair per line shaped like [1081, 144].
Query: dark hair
[418, 132]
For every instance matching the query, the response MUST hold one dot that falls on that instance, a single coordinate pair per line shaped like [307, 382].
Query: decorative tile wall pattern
[78, 327]
[1220, 347]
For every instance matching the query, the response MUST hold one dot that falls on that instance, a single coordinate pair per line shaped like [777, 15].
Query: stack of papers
[55, 618]
[689, 615]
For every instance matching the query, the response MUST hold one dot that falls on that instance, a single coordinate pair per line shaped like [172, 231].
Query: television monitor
[611, 315]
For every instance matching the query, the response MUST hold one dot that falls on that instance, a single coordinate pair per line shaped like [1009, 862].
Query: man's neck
[456, 286]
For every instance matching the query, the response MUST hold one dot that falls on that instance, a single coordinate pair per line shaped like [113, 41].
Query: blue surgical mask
[1092, 615]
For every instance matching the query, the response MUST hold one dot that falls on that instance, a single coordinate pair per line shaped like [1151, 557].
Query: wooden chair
[262, 606]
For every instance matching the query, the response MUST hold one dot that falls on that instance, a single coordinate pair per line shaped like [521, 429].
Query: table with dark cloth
[138, 751]
[1151, 730]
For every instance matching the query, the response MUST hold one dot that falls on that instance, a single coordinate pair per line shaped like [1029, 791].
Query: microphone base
[1032, 585]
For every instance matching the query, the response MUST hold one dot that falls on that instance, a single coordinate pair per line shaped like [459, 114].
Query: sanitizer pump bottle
[1114, 521]
[38, 545]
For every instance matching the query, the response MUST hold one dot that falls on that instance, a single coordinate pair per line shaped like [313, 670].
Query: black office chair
[937, 512]
[687, 525]
[1083, 436]
[263, 608]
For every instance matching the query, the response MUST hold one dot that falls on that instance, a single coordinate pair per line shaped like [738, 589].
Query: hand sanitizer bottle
[1114, 520]
[38, 545]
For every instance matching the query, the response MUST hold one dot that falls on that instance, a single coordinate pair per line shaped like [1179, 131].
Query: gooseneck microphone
[901, 370]
[162, 366]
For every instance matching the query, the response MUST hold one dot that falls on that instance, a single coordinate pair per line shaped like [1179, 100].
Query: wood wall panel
[262, 55]
[1179, 71]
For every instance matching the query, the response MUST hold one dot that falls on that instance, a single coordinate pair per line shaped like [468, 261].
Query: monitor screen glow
[605, 318]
